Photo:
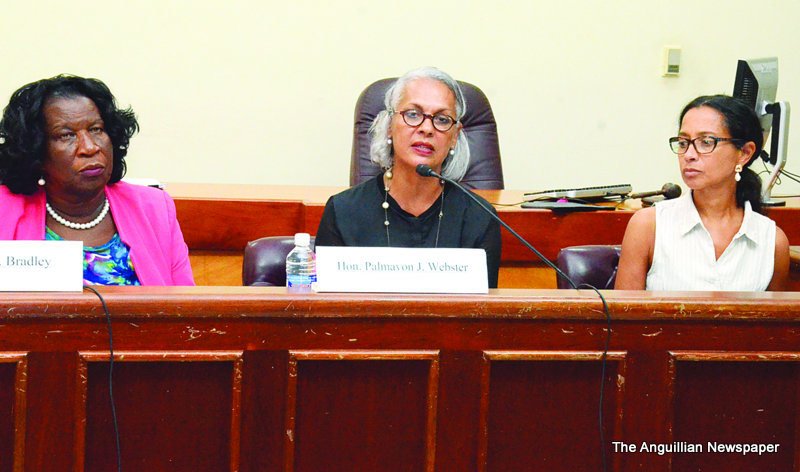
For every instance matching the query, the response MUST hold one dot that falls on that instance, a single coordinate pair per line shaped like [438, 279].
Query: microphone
[426, 171]
[669, 191]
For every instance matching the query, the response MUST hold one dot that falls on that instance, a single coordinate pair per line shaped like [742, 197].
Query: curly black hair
[23, 139]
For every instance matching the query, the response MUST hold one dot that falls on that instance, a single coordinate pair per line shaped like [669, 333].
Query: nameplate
[403, 270]
[41, 266]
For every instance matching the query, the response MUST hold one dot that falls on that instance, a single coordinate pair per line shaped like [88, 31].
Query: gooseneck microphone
[669, 191]
[426, 171]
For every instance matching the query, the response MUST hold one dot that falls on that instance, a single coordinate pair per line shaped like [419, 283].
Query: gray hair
[381, 152]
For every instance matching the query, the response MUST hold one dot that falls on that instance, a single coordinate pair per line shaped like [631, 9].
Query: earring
[41, 182]
[389, 141]
[452, 151]
[737, 176]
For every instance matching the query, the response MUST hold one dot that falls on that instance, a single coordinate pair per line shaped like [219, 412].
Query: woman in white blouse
[714, 237]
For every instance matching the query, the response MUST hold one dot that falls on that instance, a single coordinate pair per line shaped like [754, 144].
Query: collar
[689, 218]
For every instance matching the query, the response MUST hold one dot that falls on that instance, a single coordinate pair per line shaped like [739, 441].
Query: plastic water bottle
[301, 265]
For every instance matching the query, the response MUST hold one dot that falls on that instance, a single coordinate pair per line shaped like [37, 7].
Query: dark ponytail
[742, 123]
[748, 189]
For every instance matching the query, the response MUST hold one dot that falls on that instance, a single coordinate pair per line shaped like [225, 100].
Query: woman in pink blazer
[63, 143]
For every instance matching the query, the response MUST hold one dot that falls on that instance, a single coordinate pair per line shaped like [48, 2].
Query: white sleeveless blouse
[684, 259]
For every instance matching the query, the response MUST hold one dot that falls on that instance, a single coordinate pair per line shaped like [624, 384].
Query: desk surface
[258, 379]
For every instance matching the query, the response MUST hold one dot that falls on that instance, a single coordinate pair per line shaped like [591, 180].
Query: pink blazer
[145, 219]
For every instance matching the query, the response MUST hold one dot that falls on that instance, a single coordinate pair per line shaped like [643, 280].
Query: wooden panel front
[736, 398]
[7, 396]
[156, 394]
[550, 400]
[343, 403]
[259, 379]
[13, 395]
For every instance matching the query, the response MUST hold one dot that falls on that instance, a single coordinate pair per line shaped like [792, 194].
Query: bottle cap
[302, 239]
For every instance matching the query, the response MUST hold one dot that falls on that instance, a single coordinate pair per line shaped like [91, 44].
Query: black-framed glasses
[441, 121]
[703, 144]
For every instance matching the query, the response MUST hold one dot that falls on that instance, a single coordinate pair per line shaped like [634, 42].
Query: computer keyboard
[582, 193]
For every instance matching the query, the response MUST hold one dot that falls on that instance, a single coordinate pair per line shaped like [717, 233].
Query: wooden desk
[218, 221]
[255, 379]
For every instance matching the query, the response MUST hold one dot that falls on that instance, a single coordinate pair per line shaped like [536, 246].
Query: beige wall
[263, 91]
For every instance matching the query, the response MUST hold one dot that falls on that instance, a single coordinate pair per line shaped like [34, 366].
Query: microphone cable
[602, 368]
[426, 171]
[783, 172]
[790, 175]
[110, 375]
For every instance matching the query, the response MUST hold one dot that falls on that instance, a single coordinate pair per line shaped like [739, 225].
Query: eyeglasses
[703, 144]
[441, 121]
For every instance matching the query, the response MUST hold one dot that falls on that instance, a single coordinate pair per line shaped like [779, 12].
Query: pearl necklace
[385, 206]
[70, 224]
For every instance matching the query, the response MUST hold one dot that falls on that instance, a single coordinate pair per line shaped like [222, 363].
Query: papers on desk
[401, 270]
[584, 193]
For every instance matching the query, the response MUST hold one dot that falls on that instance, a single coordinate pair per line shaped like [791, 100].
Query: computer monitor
[757, 84]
